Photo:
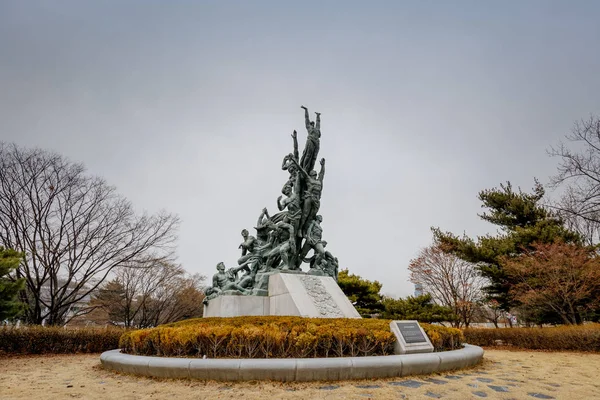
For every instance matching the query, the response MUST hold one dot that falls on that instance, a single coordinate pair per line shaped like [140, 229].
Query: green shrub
[578, 338]
[275, 337]
[56, 340]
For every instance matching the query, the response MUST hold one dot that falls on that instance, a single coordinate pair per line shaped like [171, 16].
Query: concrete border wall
[293, 369]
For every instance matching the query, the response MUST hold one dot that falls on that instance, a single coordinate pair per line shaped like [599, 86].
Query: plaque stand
[410, 337]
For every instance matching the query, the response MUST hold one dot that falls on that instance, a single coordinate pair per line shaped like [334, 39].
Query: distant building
[419, 289]
[74, 309]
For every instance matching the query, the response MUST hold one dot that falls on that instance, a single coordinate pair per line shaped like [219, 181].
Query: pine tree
[362, 293]
[522, 220]
[10, 306]
[420, 308]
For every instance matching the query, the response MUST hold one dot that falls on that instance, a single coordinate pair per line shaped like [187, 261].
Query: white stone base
[234, 306]
[290, 294]
[308, 296]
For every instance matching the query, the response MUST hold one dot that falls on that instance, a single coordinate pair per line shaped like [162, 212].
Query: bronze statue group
[283, 240]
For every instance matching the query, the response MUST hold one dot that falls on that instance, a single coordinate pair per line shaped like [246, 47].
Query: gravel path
[503, 375]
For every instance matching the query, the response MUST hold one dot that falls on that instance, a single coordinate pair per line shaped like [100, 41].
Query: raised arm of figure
[295, 137]
[322, 172]
[297, 185]
[263, 213]
[306, 118]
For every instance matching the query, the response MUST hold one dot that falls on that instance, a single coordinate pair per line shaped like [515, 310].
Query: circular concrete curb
[293, 369]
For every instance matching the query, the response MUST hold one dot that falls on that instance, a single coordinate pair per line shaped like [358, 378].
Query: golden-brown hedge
[54, 340]
[575, 338]
[275, 337]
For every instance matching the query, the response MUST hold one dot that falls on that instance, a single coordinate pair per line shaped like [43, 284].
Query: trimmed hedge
[57, 340]
[577, 338]
[275, 337]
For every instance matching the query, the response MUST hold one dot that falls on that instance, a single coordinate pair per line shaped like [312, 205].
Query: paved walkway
[503, 375]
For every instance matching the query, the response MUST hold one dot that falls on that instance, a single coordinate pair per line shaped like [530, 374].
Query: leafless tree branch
[73, 228]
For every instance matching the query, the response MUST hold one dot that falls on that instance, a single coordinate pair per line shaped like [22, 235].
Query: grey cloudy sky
[188, 106]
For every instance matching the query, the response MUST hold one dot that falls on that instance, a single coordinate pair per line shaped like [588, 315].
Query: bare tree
[579, 176]
[491, 311]
[140, 288]
[144, 297]
[182, 299]
[452, 282]
[156, 289]
[73, 228]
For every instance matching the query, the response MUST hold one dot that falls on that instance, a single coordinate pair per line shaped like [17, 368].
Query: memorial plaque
[410, 337]
[411, 332]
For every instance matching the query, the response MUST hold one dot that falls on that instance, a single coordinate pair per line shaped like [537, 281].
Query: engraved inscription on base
[321, 298]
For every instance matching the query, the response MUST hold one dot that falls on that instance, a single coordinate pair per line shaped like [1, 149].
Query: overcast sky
[189, 106]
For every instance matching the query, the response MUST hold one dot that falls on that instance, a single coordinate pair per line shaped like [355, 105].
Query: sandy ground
[502, 375]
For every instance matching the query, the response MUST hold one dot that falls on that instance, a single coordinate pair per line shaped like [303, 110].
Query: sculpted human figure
[331, 268]
[312, 196]
[314, 240]
[293, 203]
[252, 254]
[247, 247]
[263, 226]
[246, 281]
[287, 164]
[223, 280]
[311, 149]
[285, 246]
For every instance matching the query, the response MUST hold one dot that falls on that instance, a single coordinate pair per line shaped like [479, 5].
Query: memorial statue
[284, 240]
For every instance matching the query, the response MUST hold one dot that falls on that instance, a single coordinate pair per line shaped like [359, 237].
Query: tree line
[542, 267]
[65, 233]
[72, 247]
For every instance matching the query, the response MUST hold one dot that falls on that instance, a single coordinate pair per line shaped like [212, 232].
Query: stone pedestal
[234, 306]
[308, 296]
[293, 293]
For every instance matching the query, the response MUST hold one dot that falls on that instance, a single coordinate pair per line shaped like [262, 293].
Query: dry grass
[81, 376]
[276, 337]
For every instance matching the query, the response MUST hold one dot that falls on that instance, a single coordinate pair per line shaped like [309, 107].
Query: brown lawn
[502, 375]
